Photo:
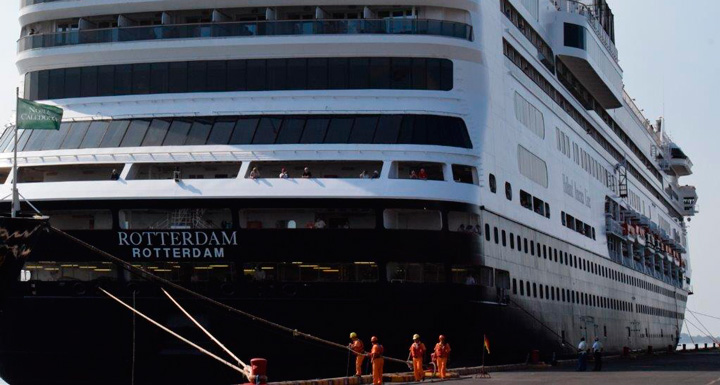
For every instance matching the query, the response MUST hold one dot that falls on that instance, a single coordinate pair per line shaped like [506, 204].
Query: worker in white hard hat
[417, 352]
[358, 348]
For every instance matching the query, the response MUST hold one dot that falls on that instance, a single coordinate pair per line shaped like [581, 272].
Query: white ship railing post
[15, 198]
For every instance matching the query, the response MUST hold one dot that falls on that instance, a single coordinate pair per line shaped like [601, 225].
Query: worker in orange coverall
[357, 346]
[417, 352]
[442, 351]
[376, 357]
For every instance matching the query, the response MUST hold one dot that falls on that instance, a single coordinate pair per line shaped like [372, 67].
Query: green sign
[36, 116]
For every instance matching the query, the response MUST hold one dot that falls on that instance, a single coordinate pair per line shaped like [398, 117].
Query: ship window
[495, 235]
[400, 76]
[106, 81]
[72, 82]
[37, 137]
[75, 136]
[256, 74]
[412, 170]
[464, 174]
[198, 170]
[307, 218]
[156, 133]
[236, 72]
[388, 129]
[244, 131]
[487, 232]
[135, 133]
[77, 272]
[216, 75]
[94, 135]
[178, 79]
[339, 130]
[359, 73]
[89, 82]
[297, 74]
[380, 73]
[315, 130]
[415, 272]
[141, 78]
[364, 129]
[175, 219]
[56, 83]
[197, 79]
[221, 131]
[493, 183]
[463, 222]
[574, 36]
[55, 138]
[504, 240]
[338, 73]
[123, 79]
[115, 133]
[317, 74]
[532, 248]
[80, 219]
[159, 78]
[407, 219]
[71, 173]
[512, 241]
[177, 133]
[199, 132]
[267, 131]
[502, 279]
[276, 74]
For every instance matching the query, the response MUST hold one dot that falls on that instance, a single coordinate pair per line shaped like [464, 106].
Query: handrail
[576, 7]
[252, 28]
[25, 3]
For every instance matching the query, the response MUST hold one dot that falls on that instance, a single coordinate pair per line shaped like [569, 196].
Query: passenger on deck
[413, 174]
[470, 280]
[283, 174]
[422, 174]
[306, 173]
[461, 228]
[259, 274]
[375, 175]
[320, 224]
[114, 175]
[363, 175]
[254, 173]
[477, 229]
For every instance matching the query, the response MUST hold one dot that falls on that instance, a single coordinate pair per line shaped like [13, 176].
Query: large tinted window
[178, 132]
[135, 133]
[94, 134]
[309, 129]
[244, 131]
[267, 131]
[156, 132]
[574, 36]
[115, 133]
[242, 75]
[76, 135]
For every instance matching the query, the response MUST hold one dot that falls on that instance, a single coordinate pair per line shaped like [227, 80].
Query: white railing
[576, 7]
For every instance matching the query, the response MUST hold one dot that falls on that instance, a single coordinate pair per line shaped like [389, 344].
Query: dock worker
[597, 349]
[417, 352]
[376, 357]
[357, 346]
[442, 351]
[582, 355]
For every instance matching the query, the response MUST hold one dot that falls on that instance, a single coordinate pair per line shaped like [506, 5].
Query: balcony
[25, 3]
[689, 198]
[248, 29]
[678, 162]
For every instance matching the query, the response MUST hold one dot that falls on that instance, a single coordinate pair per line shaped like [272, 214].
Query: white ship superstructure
[503, 123]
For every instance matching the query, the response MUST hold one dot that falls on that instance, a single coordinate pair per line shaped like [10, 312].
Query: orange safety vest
[442, 350]
[417, 350]
[357, 346]
[376, 352]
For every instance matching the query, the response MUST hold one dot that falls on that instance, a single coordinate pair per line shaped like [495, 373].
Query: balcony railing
[254, 28]
[572, 6]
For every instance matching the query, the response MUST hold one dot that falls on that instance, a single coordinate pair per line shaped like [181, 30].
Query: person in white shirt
[597, 349]
[582, 355]
[283, 174]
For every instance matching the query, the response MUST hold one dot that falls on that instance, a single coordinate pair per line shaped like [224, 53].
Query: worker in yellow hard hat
[358, 348]
[417, 352]
[376, 357]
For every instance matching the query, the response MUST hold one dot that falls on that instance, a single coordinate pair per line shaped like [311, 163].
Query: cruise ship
[459, 167]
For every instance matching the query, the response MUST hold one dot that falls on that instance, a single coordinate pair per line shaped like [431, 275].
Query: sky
[670, 55]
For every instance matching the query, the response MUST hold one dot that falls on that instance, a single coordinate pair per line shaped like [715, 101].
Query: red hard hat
[441, 338]
[374, 339]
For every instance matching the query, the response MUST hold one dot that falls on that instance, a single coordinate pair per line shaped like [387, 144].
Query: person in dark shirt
[306, 173]
[114, 175]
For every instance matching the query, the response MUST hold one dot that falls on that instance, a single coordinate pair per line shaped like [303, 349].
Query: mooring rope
[244, 365]
[162, 281]
[181, 338]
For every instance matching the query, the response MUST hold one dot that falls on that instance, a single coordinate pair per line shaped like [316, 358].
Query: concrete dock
[702, 368]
